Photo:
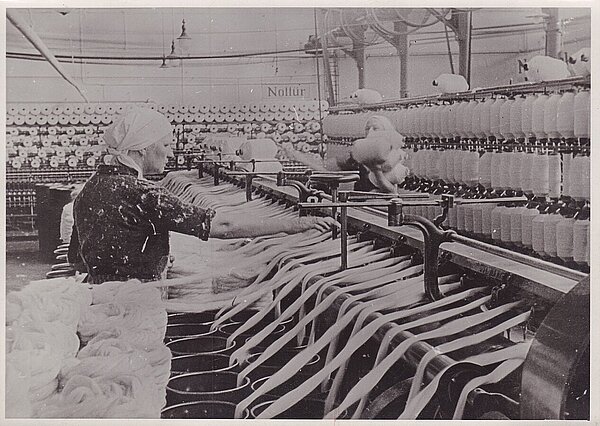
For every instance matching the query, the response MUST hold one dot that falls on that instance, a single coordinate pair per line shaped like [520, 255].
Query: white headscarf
[135, 131]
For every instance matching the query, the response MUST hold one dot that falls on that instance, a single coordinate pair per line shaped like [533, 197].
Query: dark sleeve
[168, 212]
[73, 256]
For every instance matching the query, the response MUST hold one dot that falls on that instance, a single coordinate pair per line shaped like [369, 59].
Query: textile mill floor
[23, 264]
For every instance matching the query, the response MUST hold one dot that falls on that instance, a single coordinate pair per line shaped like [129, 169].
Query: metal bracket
[432, 238]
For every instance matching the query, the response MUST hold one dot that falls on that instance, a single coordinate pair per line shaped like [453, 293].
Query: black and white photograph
[317, 212]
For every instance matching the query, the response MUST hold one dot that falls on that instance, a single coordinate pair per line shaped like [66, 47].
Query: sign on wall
[286, 91]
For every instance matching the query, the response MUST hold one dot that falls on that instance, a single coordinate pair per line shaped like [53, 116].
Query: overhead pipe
[37, 42]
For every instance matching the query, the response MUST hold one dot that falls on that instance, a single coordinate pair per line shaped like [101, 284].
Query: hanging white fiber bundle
[580, 62]
[366, 96]
[545, 68]
[450, 83]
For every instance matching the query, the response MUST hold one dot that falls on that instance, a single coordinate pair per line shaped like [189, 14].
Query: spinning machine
[464, 296]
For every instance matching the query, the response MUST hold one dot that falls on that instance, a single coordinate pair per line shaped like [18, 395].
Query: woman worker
[377, 173]
[122, 220]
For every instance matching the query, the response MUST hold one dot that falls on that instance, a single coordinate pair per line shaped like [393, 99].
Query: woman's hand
[322, 224]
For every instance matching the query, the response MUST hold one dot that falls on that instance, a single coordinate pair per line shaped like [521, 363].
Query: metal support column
[553, 34]
[326, 67]
[464, 20]
[401, 45]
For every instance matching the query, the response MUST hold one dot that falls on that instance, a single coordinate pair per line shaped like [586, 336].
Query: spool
[527, 173]
[450, 172]
[516, 234]
[229, 328]
[567, 159]
[73, 162]
[469, 218]
[485, 118]
[486, 219]
[550, 230]
[504, 125]
[564, 238]
[307, 409]
[526, 226]
[495, 117]
[495, 170]
[516, 120]
[431, 165]
[186, 364]
[504, 172]
[554, 176]
[180, 331]
[211, 344]
[442, 165]
[201, 410]
[452, 217]
[565, 117]
[515, 171]
[460, 218]
[485, 170]
[575, 177]
[188, 118]
[207, 386]
[476, 120]
[477, 220]
[540, 175]
[551, 116]
[580, 178]
[581, 120]
[459, 174]
[537, 234]
[537, 116]
[429, 121]
[460, 120]
[471, 123]
[496, 222]
[581, 230]
[506, 224]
